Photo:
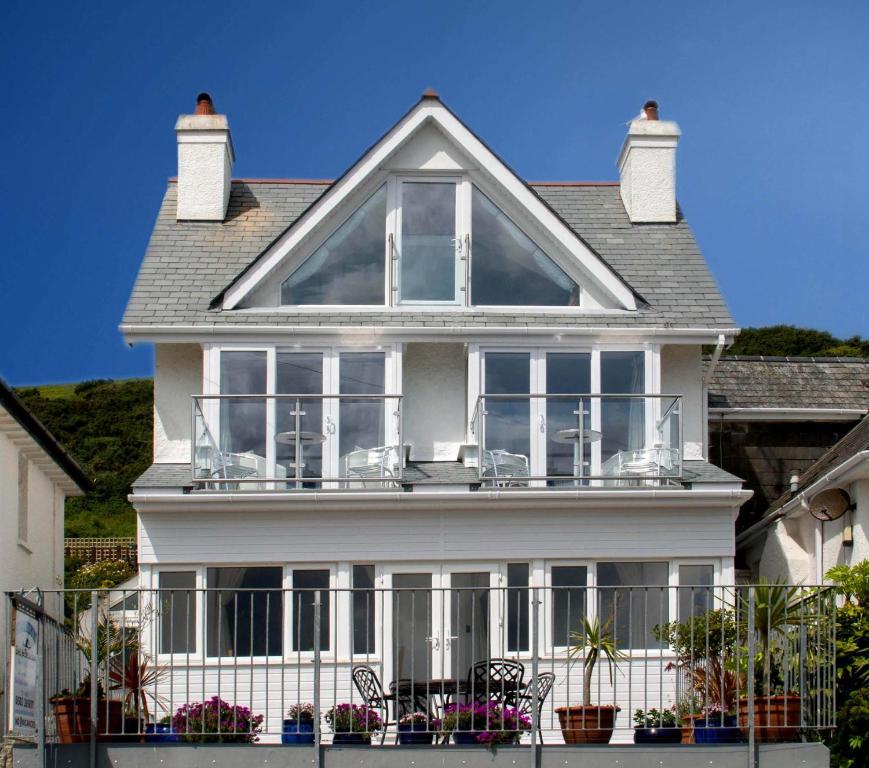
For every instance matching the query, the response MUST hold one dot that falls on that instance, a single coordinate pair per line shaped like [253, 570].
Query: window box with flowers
[353, 723]
[487, 724]
[414, 728]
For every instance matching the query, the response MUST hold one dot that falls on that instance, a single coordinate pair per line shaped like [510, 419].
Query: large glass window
[428, 241]
[568, 602]
[567, 452]
[177, 614]
[623, 424]
[243, 420]
[299, 373]
[305, 586]
[364, 622]
[362, 424]
[633, 600]
[695, 590]
[517, 607]
[244, 611]
[508, 266]
[349, 267]
[507, 420]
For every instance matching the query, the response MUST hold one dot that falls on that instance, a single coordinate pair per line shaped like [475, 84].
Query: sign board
[25, 665]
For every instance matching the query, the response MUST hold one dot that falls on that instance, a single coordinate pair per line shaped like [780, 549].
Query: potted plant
[161, 731]
[133, 676]
[72, 711]
[716, 726]
[353, 723]
[414, 728]
[298, 725]
[216, 721]
[656, 727]
[777, 709]
[483, 723]
[589, 724]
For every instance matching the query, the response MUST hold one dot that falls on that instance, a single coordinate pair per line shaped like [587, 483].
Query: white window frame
[462, 225]
[547, 641]
[330, 652]
[196, 656]
[503, 609]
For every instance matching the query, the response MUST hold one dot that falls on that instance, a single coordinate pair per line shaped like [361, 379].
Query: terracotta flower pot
[587, 725]
[776, 718]
[73, 718]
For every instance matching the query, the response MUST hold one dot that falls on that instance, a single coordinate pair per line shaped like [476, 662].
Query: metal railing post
[93, 673]
[750, 678]
[535, 663]
[317, 734]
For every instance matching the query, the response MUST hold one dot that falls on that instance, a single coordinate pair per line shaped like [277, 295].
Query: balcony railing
[714, 657]
[578, 440]
[280, 442]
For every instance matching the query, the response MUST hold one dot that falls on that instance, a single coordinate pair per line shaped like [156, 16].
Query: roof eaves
[37, 430]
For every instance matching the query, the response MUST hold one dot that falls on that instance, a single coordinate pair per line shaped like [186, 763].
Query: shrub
[654, 718]
[354, 718]
[492, 723]
[216, 720]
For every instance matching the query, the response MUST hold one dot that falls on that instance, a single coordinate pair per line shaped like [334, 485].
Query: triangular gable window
[349, 268]
[508, 268]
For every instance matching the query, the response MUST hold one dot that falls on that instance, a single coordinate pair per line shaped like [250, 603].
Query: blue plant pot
[352, 738]
[297, 732]
[156, 733]
[657, 735]
[711, 731]
[414, 733]
[465, 737]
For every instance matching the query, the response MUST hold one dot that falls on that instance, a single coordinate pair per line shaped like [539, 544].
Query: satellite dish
[830, 504]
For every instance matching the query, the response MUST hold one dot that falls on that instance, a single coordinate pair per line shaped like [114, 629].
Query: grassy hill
[106, 426]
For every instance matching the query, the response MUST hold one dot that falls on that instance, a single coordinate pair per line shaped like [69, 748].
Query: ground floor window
[517, 606]
[177, 612]
[244, 608]
[306, 583]
[568, 602]
[695, 590]
[364, 615]
[632, 599]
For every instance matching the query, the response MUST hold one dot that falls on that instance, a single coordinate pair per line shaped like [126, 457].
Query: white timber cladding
[396, 534]
[177, 376]
[443, 143]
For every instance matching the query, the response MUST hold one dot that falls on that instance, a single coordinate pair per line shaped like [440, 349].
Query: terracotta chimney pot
[651, 110]
[204, 105]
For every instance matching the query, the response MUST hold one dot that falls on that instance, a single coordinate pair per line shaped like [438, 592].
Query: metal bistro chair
[368, 684]
[498, 680]
[545, 681]
[376, 465]
[505, 469]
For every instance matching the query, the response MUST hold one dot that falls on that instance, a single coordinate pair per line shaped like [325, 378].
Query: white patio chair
[505, 468]
[644, 466]
[376, 465]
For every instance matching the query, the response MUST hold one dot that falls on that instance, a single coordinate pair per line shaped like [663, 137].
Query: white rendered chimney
[205, 158]
[647, 167]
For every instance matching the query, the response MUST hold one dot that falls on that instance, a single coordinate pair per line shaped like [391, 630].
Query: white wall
[482, 532]
[682, 373]
[177, 376]
[434, 403]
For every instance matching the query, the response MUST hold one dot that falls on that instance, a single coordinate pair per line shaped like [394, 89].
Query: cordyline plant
[591, 643]
[216, 720]
[491, 722]
[137, 681]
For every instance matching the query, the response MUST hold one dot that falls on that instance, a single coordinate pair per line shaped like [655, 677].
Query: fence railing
[578, 440]
[280, 442]
[94, 550]
[469, 661]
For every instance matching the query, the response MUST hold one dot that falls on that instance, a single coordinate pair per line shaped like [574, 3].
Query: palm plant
[137, 680]
[774, 615]
[593, 642]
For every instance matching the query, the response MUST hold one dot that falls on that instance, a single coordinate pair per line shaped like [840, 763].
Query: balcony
[714, 655]
[335, 442]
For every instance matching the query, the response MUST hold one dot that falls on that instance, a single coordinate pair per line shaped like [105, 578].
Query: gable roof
[18, 412]
[855, 442]
[187, 263]
[429, 110]
[740, 382]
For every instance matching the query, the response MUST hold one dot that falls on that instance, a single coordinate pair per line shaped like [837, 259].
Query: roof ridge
[266, 180]
[786, 359]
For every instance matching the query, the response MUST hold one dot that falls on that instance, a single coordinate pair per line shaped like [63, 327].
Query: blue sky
[772, 98]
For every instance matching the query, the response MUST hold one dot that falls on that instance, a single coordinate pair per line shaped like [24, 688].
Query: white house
[427, 375]
[36, 477]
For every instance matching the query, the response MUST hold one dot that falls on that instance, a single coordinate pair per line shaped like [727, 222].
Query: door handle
[448, 641]
[435, 642]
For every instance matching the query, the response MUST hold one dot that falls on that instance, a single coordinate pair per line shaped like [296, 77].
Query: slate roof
[422, 473]
[188, 263]
[790, 382]
[856, 441]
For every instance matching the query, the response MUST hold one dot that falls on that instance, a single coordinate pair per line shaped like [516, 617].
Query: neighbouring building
[425, 381]
[36, 477]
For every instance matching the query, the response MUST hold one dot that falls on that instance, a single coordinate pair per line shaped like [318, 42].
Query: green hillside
[106, 426]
